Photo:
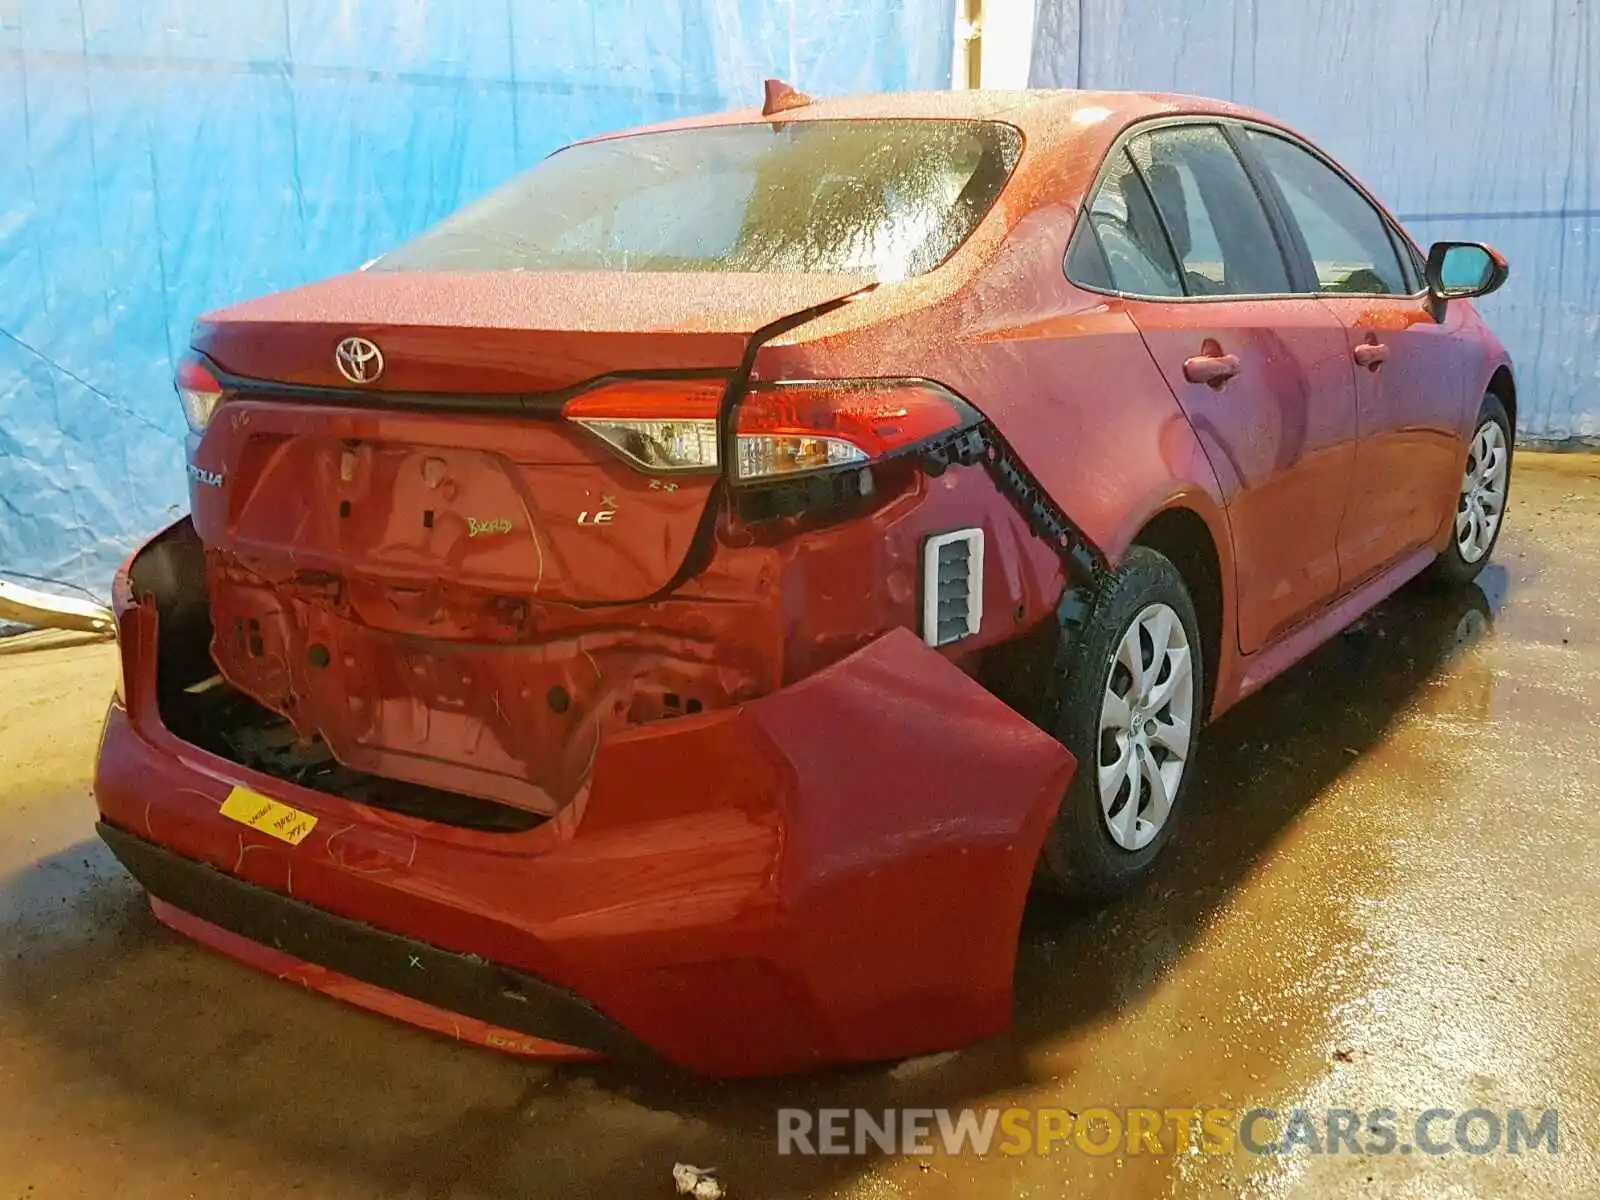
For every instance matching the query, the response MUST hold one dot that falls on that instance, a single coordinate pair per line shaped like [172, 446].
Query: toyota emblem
[359, 360]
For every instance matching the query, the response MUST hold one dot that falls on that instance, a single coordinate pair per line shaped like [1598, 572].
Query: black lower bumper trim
[460, 983]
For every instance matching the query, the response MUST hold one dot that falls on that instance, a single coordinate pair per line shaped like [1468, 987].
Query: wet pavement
[1384, 896]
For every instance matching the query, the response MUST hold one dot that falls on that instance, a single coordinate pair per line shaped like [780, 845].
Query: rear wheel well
[1505, 389]
[1182, 535]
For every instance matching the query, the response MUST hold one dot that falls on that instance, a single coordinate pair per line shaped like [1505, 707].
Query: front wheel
[1131, 707]
[1481, 503]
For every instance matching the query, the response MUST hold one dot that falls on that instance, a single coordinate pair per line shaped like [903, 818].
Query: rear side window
[1137, 258]
[1219, 229]
[891, 198]
[1350, 246]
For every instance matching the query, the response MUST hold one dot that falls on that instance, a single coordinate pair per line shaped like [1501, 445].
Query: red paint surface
[769, 888]
[1089, 388]
[505, 331]
[440, 648]
[778, 880]
[1413, 416]
[1281, 436]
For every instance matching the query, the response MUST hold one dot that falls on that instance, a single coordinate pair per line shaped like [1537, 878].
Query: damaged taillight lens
[784, 429]
[656, 424]
[198, 392]
[789, 428]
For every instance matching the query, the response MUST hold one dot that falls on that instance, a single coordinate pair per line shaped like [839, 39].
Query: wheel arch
[1195, 539]
[1504, 388]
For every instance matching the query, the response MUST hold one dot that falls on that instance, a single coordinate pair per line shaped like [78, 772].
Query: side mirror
[1457, 270]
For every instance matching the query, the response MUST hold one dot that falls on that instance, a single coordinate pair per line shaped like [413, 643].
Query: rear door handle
[1371, 355]
[1212, 367]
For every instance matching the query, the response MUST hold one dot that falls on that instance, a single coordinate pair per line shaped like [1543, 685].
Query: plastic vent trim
[952, 586]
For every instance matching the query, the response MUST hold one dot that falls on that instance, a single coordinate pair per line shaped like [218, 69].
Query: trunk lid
[453, 463]
[477, 333]
[404, 568]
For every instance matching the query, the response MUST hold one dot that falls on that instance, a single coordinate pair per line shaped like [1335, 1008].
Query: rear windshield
[890, 198]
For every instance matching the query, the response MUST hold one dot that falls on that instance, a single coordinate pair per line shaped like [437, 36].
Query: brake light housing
[780, 430]
[198, 391]
[656, 425]
[788, 429]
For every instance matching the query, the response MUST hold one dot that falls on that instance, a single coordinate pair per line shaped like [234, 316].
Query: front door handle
[1211, 366]
[1371, 355]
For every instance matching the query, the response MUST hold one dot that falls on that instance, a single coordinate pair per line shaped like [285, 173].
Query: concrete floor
[1384, 896]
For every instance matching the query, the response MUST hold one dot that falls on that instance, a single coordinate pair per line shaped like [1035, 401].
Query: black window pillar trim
[1399, 244]
[1292, 246]
[1161, 217]
[1085, 234]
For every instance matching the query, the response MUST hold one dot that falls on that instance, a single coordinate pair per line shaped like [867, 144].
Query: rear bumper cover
[833, 873]
[459, 983]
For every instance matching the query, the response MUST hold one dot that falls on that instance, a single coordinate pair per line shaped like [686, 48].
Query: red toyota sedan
[679, 604]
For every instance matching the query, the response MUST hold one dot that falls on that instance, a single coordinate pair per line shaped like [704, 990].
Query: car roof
[1034, 111]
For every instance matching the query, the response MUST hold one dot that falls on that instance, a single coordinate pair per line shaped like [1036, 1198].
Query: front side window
[889, 198]
[1348, 241]
[1219, 230]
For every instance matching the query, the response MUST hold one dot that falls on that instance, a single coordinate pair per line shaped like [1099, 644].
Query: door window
[1349, 242]
[1120, 245]
[1217, 225]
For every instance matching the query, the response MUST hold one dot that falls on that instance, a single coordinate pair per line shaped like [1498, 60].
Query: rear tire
[1130, 709]
[1481, 504]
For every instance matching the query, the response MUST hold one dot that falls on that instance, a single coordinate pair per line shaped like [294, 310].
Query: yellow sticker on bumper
[271, 817]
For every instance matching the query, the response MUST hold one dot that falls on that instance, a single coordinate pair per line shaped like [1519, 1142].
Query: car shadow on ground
[95, 991]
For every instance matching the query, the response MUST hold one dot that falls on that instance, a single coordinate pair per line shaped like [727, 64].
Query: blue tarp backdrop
[162, 157]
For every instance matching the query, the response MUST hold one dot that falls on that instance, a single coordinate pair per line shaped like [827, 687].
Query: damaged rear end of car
[614, 676]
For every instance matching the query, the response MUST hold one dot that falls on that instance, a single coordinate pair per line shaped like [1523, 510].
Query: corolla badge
[201, 475]
[359, 360]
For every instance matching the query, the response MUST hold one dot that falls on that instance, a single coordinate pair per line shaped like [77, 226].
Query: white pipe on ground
[44, 611]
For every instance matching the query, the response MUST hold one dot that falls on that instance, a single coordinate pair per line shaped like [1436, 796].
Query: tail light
[656, 424]
[789, 428]
[783, 429]
[198, 392]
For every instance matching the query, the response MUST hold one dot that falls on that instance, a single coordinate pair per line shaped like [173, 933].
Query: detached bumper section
[833, 873]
